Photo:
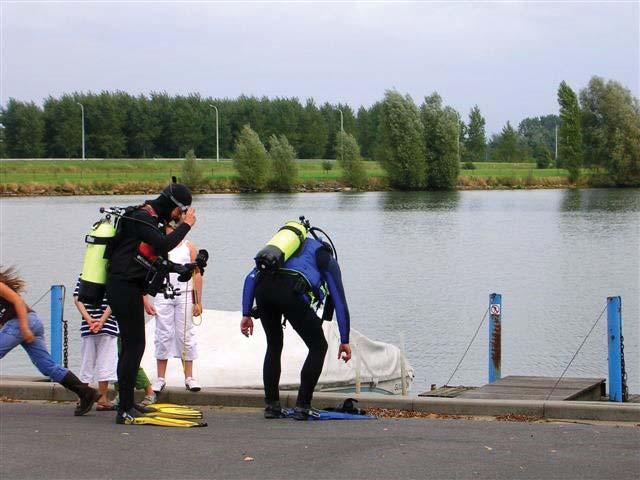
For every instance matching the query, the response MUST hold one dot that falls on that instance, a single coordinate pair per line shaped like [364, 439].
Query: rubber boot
[305, 412]
[88, 396]
[274, 410]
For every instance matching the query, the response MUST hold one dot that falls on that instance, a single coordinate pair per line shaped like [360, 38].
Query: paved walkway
[45, 440]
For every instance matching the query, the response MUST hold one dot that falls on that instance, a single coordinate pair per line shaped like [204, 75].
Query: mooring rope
[577, 351]
[469, 346]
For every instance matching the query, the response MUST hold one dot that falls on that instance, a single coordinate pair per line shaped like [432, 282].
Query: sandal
[105, 407]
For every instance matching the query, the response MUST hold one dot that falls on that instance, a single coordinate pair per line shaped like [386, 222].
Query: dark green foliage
[327, 166]
[283, 162]
[507, 147]
[63, 127]
[542, 156]
[353, 171]
[400, 142]
[251, 161]
[192, 174]
[611, 130]
[368, 122]
[24, 129]
[475, 142]
[537, 132]
[441, 139]
[313, 132]
[570, 132]
[468, 166]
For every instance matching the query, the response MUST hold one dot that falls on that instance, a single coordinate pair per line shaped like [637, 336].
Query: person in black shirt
[140, 232]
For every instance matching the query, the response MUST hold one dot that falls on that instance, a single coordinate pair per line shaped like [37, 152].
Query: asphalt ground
[44, 440]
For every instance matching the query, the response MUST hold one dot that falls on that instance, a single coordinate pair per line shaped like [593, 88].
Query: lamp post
[556, 153]
[82, 110]
[217, 141]
[342, 137]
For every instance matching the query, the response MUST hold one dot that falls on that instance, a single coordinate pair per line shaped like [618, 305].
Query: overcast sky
[506, 57]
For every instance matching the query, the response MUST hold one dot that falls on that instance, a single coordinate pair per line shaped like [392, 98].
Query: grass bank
[141, 176]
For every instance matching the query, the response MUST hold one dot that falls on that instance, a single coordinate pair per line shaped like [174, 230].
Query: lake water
[419, 265]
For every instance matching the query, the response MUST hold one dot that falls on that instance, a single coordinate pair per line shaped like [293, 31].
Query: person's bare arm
[21, 311]
[197, 283]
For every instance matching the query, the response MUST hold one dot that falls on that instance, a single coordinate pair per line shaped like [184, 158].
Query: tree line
[597, 128]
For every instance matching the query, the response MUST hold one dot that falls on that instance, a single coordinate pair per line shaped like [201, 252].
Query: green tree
[537, 132]
[142, 128]
[192, 174]
[283, 161]
[506, 145]
[400, 142]
[611, 129]
[23, 129]
[313, 132]
[251, 160]
[441, 139]
[368, 121]
[475, 142]
[353, 171]
[542, 156]
[105, 116]
[63, 126]
[570, 132]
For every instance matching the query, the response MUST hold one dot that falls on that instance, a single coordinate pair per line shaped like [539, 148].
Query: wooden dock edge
[30, 389]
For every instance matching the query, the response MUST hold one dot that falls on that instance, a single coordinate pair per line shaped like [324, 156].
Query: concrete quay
[34, 388]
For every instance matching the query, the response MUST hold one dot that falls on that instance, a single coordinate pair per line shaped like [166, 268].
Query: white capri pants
[172, 336]
[99, 358]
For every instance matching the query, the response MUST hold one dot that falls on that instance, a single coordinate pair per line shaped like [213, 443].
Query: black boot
[274, 410]
[305, 412]
[88, 396]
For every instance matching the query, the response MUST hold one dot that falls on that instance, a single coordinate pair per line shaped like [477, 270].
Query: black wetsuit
[281, 294]
[126, 287]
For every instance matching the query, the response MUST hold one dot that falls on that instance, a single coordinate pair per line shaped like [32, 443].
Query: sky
[506, 57]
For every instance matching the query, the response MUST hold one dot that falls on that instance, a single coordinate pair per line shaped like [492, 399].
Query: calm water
[420, 265]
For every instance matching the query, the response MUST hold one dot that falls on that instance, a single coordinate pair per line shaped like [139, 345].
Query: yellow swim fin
[164, 422]
[173, 411]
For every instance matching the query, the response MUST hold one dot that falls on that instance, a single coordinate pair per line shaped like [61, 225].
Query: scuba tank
[94, 267]
[282, 246]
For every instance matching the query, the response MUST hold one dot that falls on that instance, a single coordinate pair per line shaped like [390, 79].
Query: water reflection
[440, 200]
[604, 199]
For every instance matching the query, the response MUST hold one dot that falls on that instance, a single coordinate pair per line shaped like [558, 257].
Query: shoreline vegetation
[144, 176]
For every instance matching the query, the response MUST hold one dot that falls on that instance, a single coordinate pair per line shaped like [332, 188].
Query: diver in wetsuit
[126, 278]
[291, 291]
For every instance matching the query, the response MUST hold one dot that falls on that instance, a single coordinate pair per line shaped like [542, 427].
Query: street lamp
[556, 147]
[82, 110]
[342, 137]
[217, 142]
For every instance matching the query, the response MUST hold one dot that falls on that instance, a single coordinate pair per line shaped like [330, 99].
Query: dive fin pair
[165, 415]
[163, 422]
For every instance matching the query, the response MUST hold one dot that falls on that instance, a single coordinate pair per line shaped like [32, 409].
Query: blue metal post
[495, 336]
[57, 298]
[614, 333]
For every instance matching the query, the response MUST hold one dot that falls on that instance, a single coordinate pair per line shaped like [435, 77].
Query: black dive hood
[174, 195]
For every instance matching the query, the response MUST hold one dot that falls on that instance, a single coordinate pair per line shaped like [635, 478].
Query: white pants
[99, 358]
[172, 335]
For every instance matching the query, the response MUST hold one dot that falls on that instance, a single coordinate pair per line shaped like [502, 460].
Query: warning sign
[495, 309]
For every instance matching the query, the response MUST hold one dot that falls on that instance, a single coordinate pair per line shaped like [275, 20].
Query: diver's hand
[344, 352]
[148, 306]
[27, 335]
[190, 217]
[246, 326]
[197, 309]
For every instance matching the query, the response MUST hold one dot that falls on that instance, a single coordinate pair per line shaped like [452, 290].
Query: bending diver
[292, 275]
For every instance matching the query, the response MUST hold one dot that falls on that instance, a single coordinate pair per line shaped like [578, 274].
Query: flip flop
[105, 407]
